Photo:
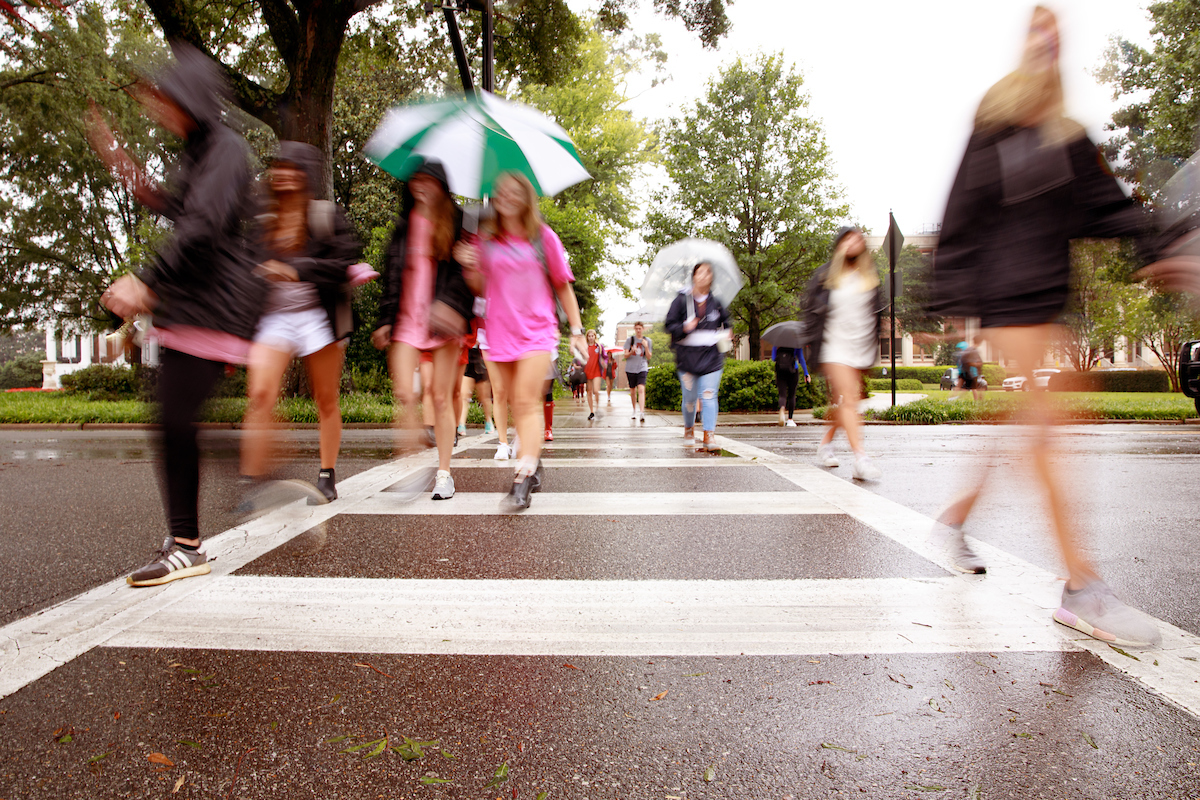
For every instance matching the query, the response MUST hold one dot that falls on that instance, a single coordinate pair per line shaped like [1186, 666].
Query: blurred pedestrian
[578, 380]
[597, 362]
[698, 325]
[1030, 182]
[841, 312]
[304, 247]
[520, 267]
[789, 365]
[474, 381]
[610, 376]
[426, 306]
[638, 352]
[970, 369]
[200, 286]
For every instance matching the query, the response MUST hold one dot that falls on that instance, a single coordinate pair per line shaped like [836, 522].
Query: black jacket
[450, 287]
[696, 360]
[331, 248]
[816, 310]
[203, 275]
[1003, 253]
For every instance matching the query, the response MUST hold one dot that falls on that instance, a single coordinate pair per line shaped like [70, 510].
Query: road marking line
[33, 646]
[699, 462]
[611, 504]
[1172, 671]
[600, 618]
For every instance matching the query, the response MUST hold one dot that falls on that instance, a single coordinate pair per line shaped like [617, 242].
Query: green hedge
[1142, 380]
[994, 374]
[902, 385]
[22, 372]
[745, 386]
[1000, 406]
[102, 382]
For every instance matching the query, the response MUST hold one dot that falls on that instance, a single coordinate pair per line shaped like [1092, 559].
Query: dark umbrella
[785, 334]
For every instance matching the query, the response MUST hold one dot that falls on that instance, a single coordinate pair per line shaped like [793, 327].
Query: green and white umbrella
[477, 138]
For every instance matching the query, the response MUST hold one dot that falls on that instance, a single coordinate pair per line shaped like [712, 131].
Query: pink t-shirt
[204, 343]
[521, 315]
[416, 290]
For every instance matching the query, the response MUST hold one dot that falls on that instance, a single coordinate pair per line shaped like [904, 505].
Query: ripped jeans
[705, 388]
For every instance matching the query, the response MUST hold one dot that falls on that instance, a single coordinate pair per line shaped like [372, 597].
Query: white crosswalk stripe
[1007, 609]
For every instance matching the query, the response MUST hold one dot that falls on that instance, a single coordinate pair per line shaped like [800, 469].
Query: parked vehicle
[1189, 371]
[1041, 380]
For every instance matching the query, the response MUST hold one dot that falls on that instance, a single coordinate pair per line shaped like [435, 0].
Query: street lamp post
[488, 76]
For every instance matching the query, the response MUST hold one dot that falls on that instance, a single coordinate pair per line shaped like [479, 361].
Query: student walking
[638, 351]
[474, 381]
[304, 247]
[841, 312]
[597, 362]
[1029, 183]
[426, 306]
[200, 287]
[698, 325]
[610, 376]
[789, 363]
[520, 267]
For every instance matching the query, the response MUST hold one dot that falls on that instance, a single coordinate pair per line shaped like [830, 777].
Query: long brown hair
[442, 220]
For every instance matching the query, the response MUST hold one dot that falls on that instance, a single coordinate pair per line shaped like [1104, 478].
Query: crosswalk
[584, 594]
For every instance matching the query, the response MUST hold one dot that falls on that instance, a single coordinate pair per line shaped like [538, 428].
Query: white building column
[906, 350]
[50, 363]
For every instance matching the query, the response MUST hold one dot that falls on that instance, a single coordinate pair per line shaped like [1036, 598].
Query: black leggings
[184, 383]
[786, 382]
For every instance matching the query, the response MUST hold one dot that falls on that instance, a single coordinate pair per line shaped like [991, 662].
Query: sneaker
[173, 563]
[488, 428]
[412, 486]
[1096, 611]
[267, 495]
[865, 469]
[591, 416]
[461, 430]
[791, 423]
[962, 557]
[326, 486]
[443, 486]
[518, 498]
[503, 452]
[826, 455]
[641, 416]
[688, 437]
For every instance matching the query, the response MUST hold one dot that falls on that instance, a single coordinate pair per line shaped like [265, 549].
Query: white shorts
[300, 333]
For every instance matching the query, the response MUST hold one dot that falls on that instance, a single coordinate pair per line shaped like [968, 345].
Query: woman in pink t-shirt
[423, 282]
[520, 266]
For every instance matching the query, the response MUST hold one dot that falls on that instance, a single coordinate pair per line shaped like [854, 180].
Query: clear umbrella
[671, 272]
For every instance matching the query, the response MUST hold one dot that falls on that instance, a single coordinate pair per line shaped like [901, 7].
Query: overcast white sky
[894, 82]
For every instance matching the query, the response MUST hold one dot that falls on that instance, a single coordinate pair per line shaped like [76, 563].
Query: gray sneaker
[1096, 611]
[173, 563]
[962, 557]
[443, 486]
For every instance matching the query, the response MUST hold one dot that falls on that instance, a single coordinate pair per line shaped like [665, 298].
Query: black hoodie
[332, 244]
[203, 275]
[450, 287]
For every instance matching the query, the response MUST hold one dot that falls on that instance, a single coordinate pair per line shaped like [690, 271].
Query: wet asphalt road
[82, 507]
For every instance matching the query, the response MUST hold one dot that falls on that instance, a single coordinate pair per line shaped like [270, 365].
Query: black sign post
[892, 243]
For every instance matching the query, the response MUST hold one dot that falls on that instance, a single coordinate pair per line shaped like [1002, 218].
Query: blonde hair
[864, 266]
[1030, 93]
[592, 332]
[531, 218]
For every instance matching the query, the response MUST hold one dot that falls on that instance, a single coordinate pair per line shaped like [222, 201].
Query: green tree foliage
[751, 170]
[912, 306]
[1156, 130]
[1162, 321]
[1100, 295]
[66, 227]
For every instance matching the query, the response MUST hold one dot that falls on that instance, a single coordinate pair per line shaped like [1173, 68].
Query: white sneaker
[443, 486]
[503, 453]
[826, 455]
[865, 469]
[641, 416]
[791, 423]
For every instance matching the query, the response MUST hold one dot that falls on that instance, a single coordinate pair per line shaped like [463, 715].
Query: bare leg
[593, 389]
[496, 377]
[462, 398]
[325, 377]
[844, 383]
[263, 377]
[1027, 345]
[444, 376]
[484, 390]
[640, 398]
[403, 360]
[427, 393]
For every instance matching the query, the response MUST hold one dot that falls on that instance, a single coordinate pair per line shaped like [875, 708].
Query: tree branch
[285, 29]
[35, 77]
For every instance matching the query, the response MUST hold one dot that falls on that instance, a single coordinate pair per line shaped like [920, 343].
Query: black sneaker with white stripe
[173, 563]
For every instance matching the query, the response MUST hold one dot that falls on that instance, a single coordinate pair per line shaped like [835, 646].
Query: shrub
[22, 372]
[367, 380]
[745, 386]
[1142, 380]
[902, 385]
[102, 382]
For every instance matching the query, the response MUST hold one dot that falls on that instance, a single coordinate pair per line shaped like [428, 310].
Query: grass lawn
[58, 407]
[999, 405]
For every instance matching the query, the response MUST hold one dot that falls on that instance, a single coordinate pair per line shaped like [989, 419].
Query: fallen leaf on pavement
[660, 695]
[178, 784]
[1091, 741]
[570, 666]
[710, 774]
[159, 758]
[832, 746]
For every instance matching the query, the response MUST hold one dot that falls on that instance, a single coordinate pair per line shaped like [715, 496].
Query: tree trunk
[754, 330]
